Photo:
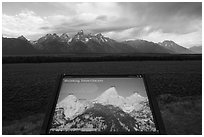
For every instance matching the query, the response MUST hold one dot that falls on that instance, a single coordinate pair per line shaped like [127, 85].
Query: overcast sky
[180, 22]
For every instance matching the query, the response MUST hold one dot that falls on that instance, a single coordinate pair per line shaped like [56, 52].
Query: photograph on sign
[115, 104]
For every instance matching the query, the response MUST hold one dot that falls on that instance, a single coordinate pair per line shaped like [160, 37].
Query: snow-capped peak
[133, 102]
[79, 36]
[72, 106]
[69, 99]
[54, 34]
[168, 43]
[134, 98]
[98, 35]
[111, 92]
[101, 38]
[64, 37]
[48, 37]
[110, 97]
[81, 32]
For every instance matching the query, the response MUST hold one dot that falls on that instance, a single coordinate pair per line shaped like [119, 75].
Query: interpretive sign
[103, 105]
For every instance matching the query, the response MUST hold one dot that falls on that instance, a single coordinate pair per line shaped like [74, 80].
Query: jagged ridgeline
[85, 43]
[109, 112]
[80, 43]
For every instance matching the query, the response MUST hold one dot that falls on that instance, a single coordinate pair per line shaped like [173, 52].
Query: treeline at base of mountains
[98, 57]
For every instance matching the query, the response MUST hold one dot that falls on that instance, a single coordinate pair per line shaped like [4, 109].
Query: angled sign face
[103, 105]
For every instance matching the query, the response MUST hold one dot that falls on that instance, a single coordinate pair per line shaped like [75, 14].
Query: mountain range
[108, 112]
[86, 43]
[196, 49]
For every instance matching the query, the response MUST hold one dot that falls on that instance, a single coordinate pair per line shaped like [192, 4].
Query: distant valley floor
[98, 58]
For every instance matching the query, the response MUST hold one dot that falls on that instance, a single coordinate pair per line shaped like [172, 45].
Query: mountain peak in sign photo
[71, 105]
[110, 97]
[108, 112]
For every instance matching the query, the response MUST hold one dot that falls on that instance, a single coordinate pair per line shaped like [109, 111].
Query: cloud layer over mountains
[180, 22]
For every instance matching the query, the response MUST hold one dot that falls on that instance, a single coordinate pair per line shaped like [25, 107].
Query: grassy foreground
[26, 89]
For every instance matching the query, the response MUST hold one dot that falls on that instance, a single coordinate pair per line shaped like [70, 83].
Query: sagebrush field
[26, 89]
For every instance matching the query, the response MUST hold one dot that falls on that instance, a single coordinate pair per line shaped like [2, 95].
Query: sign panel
[98, 104]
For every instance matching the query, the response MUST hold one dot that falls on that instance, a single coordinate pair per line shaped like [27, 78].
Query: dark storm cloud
[170, 17]
[164, 9]
[108, 29]
[102, 17]
[44, 28]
